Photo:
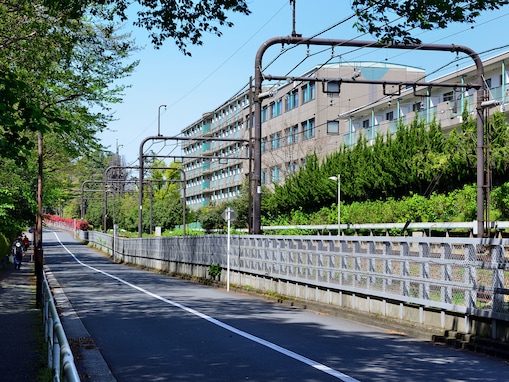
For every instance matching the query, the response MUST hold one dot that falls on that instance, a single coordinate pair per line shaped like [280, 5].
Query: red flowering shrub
[69, 223]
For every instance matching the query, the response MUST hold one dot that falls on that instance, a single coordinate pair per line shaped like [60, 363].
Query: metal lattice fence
[461, 275]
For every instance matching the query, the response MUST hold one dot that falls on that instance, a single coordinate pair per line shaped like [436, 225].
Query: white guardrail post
[60, 357]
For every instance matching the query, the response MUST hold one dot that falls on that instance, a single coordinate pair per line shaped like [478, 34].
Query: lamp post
[118, 148]
[159, 119]
[338, 179]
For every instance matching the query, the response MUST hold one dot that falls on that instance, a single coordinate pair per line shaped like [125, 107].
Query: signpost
[229, 215]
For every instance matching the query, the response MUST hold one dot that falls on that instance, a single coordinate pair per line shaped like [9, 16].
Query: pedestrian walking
[26, 243]
[17, 252]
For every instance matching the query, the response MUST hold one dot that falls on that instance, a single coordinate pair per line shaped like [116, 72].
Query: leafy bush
[180, 232]
[4, 245]
[212, 220]
[459, 205]
[215, 271]
[500, 199]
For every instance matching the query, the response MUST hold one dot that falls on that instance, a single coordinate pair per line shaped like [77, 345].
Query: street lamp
[159, 119]
[338, 179]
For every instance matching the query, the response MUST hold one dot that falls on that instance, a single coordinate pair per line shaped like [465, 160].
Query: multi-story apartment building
[299, 118]
[215, 169]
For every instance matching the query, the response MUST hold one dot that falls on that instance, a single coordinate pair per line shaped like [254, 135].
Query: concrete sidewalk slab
[20, 325]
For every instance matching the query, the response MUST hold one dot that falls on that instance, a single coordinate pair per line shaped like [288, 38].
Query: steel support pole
[298, 40]
[141, 167]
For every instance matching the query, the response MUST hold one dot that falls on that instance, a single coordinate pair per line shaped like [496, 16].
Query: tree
[184, 21]
[374, 17]
[165, 186]
[498, 138]
[57, 75]
[241, 207]
[210, 218]
[17, 203]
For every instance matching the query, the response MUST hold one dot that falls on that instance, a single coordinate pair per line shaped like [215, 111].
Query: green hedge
[457, 206]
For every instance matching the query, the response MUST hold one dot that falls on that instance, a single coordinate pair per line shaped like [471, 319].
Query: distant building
[299, 119]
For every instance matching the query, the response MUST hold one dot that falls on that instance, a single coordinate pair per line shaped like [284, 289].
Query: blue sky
[221, 67]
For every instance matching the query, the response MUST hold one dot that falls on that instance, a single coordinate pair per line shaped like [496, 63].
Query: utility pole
[38, 251]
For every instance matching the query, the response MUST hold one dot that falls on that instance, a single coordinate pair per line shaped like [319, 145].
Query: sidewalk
[20, 323]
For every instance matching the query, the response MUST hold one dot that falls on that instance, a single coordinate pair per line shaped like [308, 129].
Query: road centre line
[337, 374]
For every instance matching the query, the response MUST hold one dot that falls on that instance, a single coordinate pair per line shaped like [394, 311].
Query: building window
[293, 167]
[265, 113]
[389, 116]
[365, 124]
[275, 174]
[308, 129]
[449, 96]
[417, 106]
[275, 108]
[308, 92]
[275, 141]
[292, 100]
[292, 135]
[263, 179]
[263, 145]
[249, 121]
[332, 127]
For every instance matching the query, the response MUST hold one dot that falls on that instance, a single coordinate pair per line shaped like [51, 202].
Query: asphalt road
[151, 327]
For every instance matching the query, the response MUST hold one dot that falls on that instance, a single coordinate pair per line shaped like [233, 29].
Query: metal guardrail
[60, 358]
[429, 227]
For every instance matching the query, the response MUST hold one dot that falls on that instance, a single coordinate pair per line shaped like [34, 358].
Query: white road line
[261, 341]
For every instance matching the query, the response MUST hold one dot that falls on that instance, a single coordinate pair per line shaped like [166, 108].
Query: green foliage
[180, 232]
[58, 70]
[432, 182]
[211, 219]
[17, 202]
[57, 76]
[167, 202]
[500, 200]
[187, 21]
[498, 133]
[459, 205]
[415, 162]
[463, 204]
[299, 218]
[4, 246]
[167, 213]
[241, 207]
[215, 271]
[127, 212]
[293, 232]
[57, 81]
[304, 191]
[377, 17]
[183, 21]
